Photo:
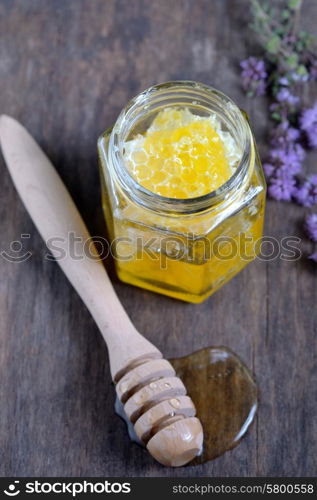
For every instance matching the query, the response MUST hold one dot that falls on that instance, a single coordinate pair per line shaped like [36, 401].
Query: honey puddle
[224, 393]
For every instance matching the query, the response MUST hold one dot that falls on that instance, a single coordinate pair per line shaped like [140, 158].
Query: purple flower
[254, 76]
[282, 187]
[285, 96]
[296, 77]
[286, 160]
[280, 170]
[269, 169]
[289, 159]
[306, 193]
[311, 226]
[283, 81]
[284, 134]
[313, 256]
[308, 123]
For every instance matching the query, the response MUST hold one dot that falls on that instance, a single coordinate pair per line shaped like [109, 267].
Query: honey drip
[225, 395]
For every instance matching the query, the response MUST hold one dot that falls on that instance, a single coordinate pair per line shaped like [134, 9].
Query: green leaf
[281, 31]
[255, 27]
[266, 7]
[302, 70]
[276, 116]
[285, 14]
[294, 4]
[273, 44]
[303, 35]
[309, 41]
[292, 60]
[299, 46]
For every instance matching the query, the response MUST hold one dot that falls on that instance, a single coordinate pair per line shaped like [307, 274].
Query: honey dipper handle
[56, 216]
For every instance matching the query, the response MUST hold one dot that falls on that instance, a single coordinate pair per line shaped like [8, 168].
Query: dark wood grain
[67, 68]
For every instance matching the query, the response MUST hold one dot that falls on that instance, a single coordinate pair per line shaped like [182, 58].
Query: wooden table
[67, 69]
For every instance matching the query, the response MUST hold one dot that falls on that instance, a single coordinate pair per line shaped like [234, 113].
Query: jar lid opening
[205, 100]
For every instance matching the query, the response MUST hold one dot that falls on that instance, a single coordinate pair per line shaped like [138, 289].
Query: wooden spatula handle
[148, 387]
[56, 216]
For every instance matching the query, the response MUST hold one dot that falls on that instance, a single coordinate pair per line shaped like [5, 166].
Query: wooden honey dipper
[154, 398]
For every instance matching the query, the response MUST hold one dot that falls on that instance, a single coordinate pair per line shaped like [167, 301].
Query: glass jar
[184, 248]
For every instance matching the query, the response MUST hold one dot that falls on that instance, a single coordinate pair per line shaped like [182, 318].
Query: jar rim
[155, 94]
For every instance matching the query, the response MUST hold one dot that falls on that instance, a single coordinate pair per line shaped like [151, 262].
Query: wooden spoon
[154, 398]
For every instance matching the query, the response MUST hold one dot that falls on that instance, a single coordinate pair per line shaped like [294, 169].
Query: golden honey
[183, 190]
[181, 155]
